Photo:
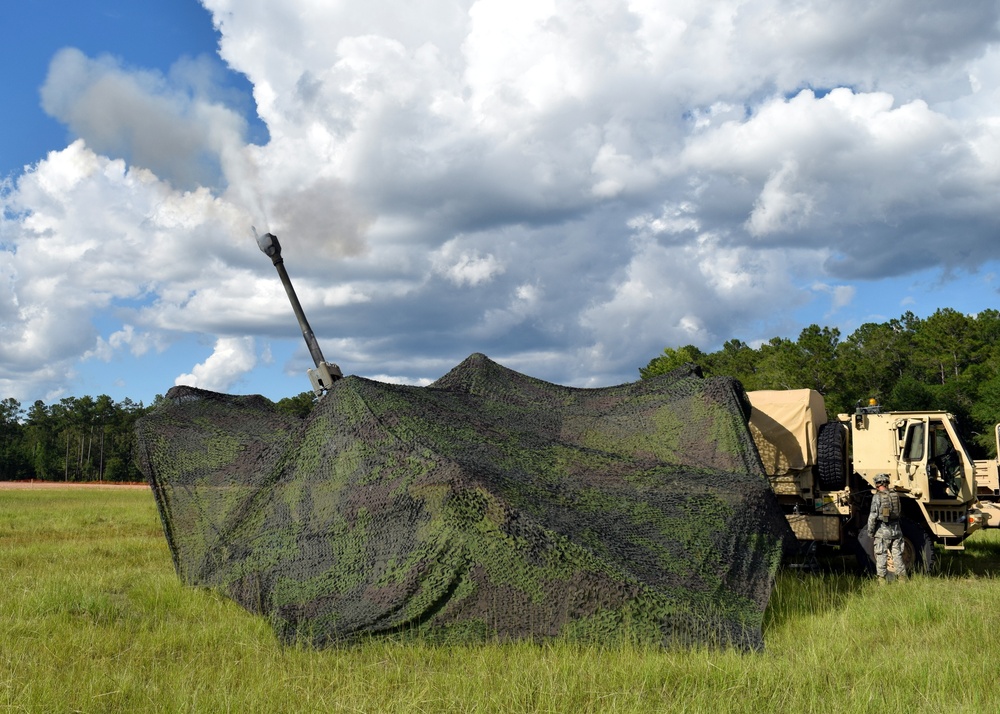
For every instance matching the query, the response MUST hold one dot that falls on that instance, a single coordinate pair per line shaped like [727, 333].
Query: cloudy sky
[565, 185]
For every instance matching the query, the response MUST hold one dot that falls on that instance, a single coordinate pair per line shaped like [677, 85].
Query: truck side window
[914, 449]
[941, 444]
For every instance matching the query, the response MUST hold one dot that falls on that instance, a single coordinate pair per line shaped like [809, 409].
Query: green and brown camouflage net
[486, 505]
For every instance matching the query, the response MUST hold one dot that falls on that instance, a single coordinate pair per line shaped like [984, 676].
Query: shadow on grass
[981, 558]
[826, 584]
[812, 585]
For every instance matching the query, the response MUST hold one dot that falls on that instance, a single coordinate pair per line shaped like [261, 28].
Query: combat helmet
[882, 480]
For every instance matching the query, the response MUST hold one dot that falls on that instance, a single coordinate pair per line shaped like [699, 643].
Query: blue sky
[151, 34]
[567, 187]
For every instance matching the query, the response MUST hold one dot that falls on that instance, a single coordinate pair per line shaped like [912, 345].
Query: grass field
[93, 619]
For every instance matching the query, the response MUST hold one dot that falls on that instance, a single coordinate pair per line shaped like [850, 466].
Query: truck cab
[823, 472]
[927, 463]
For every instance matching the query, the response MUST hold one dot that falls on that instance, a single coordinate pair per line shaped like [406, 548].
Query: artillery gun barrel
[326, 372]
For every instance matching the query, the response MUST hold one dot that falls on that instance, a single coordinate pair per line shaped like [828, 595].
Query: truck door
[948, 465]
[913, 455]
[944, 463]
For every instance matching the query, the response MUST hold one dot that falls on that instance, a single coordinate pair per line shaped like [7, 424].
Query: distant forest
[949, 361]
[81, 439]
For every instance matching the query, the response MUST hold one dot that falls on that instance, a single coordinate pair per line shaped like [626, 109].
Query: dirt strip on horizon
[28, 485]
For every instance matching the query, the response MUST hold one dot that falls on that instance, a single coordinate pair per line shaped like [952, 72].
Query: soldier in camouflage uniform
[884, 527]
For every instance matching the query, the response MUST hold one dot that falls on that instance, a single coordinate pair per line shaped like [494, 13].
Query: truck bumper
[986, 514]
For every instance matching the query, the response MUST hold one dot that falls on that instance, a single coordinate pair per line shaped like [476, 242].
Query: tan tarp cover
[784, 424]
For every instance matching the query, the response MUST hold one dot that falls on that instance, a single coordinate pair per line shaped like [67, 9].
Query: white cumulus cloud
[230, 360]
[569, 186]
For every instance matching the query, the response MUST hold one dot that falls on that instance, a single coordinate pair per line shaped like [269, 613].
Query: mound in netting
[487, 505]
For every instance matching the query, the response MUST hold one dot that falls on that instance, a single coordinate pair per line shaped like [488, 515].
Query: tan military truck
[988, 485]
[823, 473]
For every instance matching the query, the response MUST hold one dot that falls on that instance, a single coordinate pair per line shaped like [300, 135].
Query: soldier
[883, 526]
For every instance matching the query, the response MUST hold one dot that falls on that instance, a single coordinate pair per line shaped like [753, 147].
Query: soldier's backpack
[889, 507]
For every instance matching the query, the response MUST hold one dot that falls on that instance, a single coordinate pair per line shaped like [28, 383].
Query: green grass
[93, 619]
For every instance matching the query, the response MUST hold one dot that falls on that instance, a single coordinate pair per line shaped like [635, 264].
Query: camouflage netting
[489, 504]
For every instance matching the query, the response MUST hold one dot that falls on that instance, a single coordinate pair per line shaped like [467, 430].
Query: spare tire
[831, 469]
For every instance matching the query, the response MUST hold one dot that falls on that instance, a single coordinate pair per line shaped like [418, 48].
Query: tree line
[81, 438]
[948, 361]
[75, 439]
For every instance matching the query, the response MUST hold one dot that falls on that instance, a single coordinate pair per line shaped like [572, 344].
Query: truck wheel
[831, 446]
[918, 548]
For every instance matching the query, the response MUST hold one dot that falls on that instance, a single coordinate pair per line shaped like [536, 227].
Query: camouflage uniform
[888, 534]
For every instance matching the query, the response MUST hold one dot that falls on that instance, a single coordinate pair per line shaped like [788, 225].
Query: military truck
[823, 473]
[988, 485]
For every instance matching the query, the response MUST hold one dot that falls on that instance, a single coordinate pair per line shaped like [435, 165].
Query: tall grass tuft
[93, 619]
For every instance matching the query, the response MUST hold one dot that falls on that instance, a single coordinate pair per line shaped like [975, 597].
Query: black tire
[831, 469]
[918, 548]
